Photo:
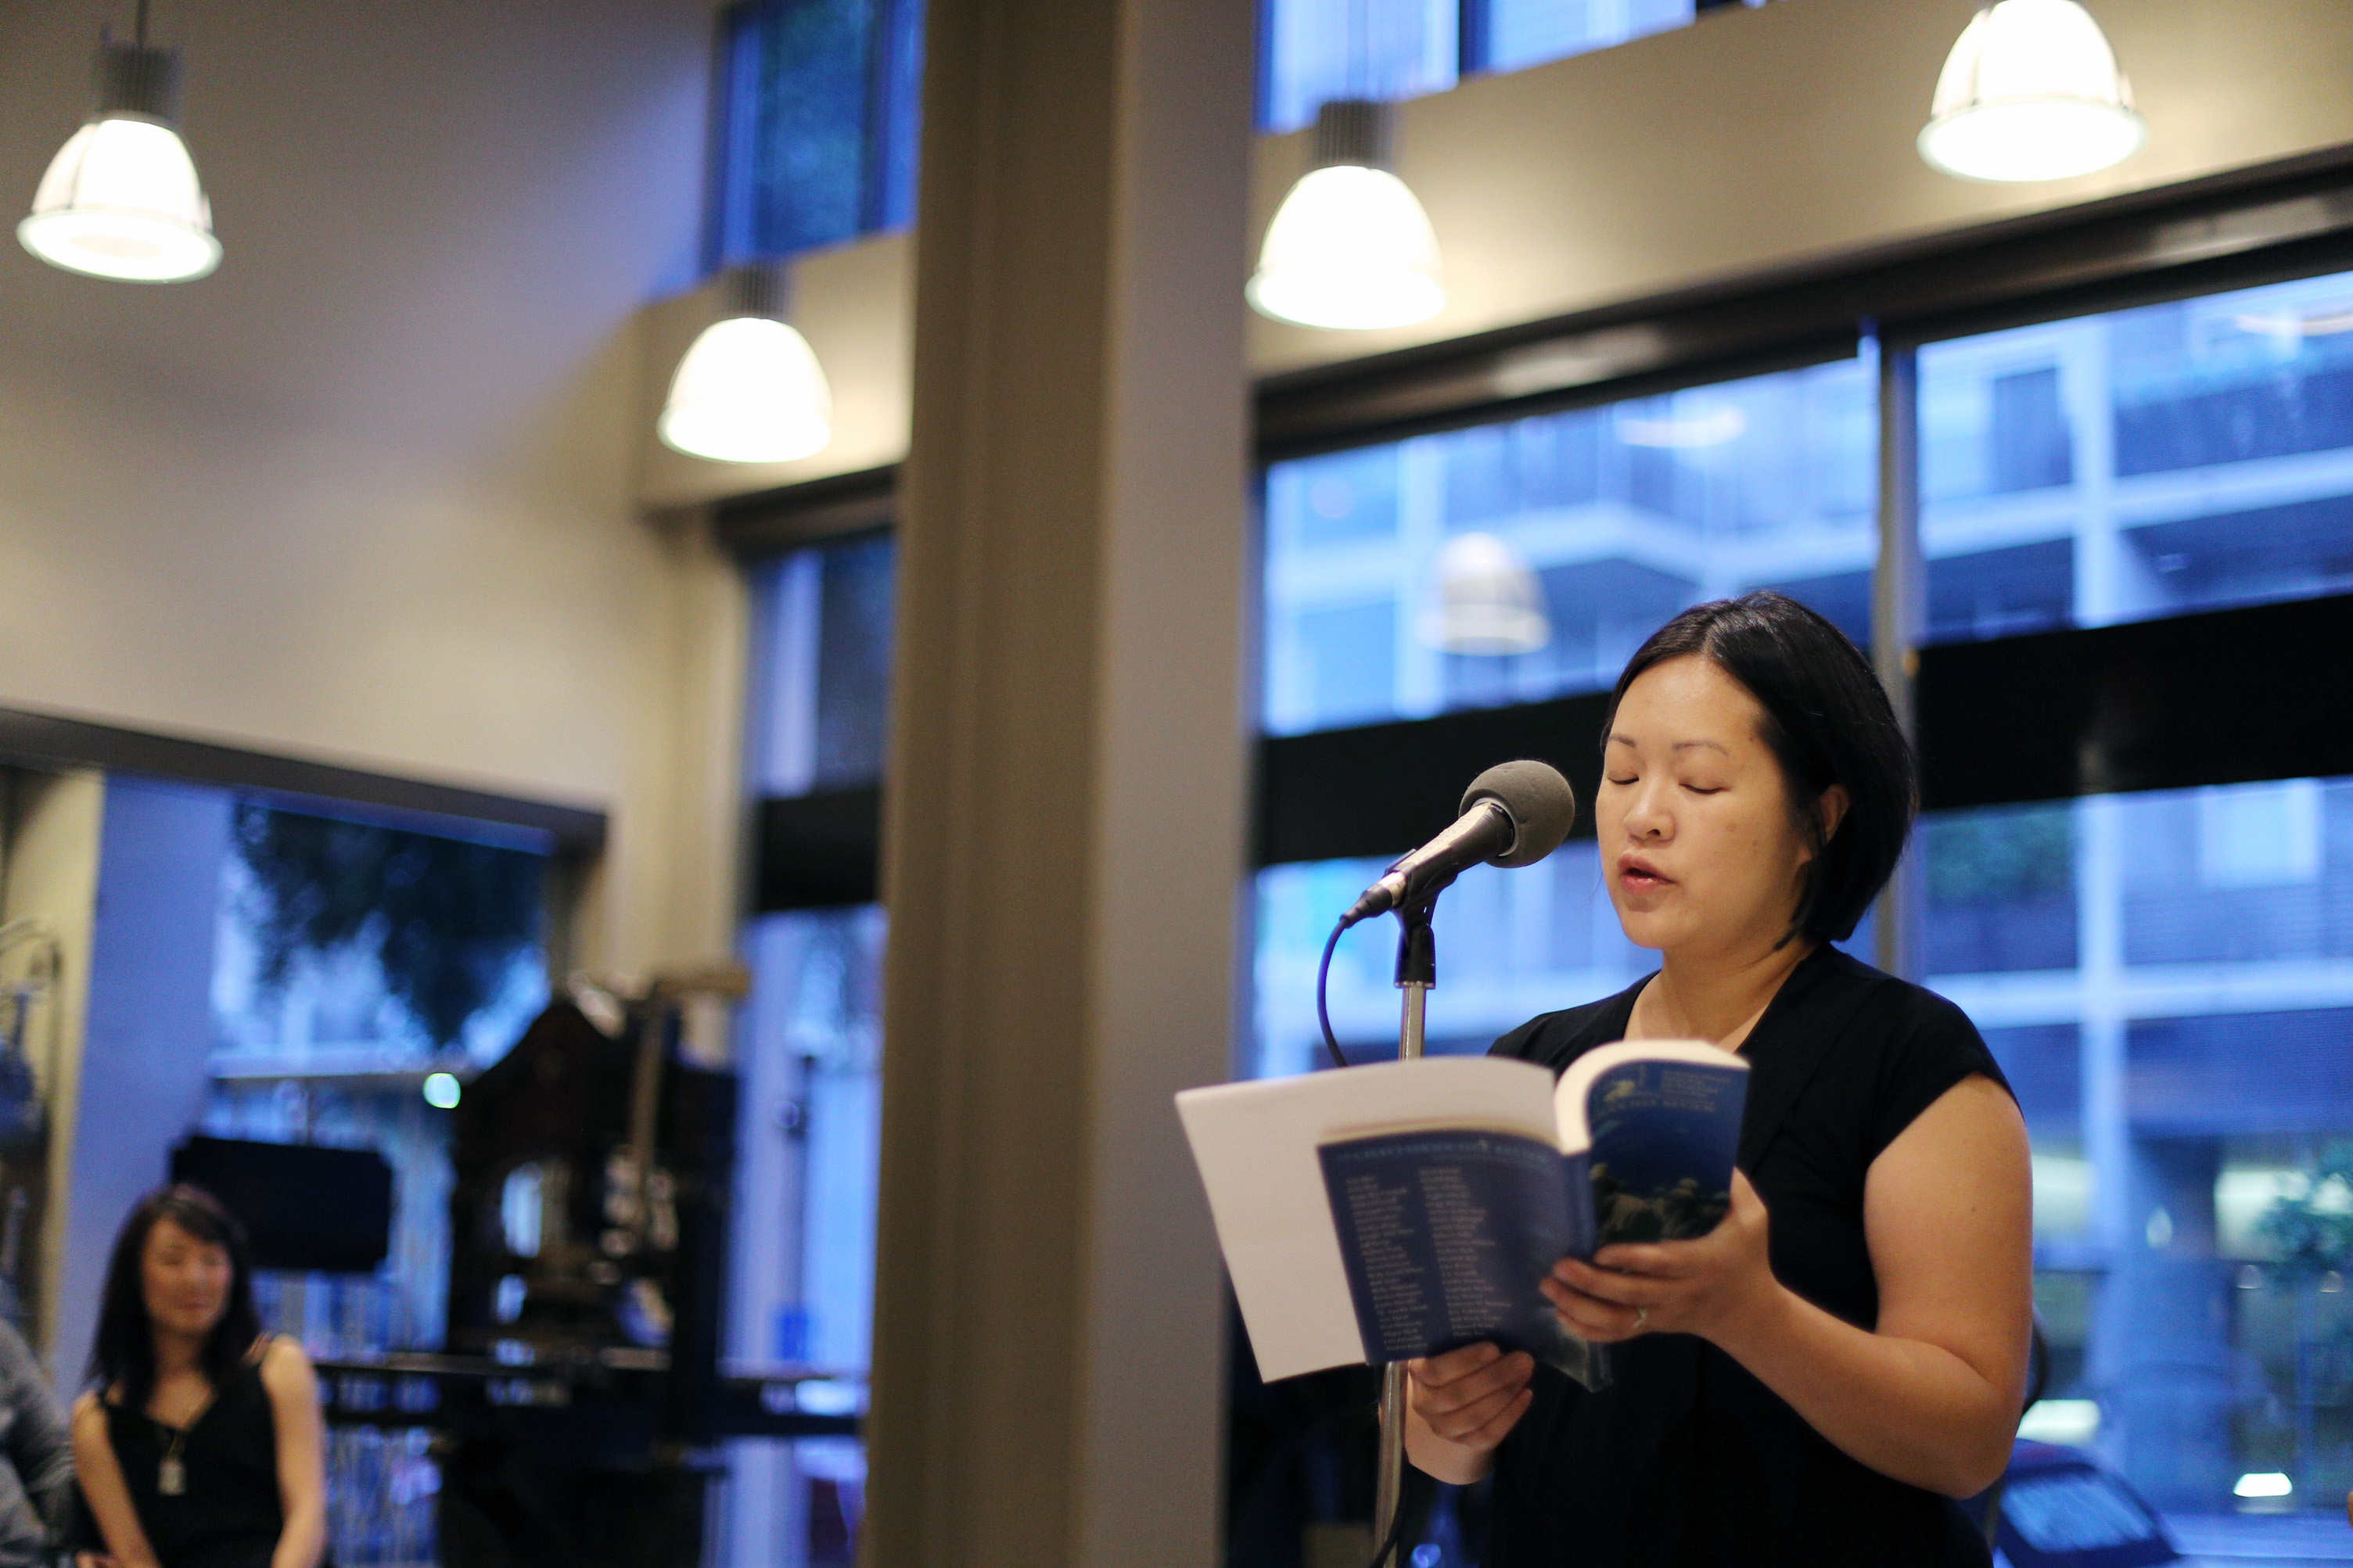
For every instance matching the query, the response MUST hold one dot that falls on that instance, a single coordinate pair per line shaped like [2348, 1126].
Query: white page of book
[1255, 1145]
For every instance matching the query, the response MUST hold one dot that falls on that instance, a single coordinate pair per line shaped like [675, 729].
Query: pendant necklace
[172, 1474]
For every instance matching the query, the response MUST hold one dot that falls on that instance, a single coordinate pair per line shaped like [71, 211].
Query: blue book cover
[1662, 1137]
[1445, 1232]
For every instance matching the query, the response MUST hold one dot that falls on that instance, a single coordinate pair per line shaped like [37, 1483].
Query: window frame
[1474, 54]
[2239, 230]
[2236, 230]
[890, 133]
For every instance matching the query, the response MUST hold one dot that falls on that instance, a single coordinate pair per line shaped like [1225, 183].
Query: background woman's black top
[229, 1515]
[1686, 1459]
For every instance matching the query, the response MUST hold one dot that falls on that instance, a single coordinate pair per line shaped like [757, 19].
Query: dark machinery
[579, 1400]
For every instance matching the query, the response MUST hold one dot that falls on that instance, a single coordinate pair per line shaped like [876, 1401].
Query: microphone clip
[1484, 831]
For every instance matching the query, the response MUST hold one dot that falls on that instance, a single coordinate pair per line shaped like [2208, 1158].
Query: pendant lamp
[120, 199]
[1350, 248]
[2030, 91]
[750, 390]
[1487, 599]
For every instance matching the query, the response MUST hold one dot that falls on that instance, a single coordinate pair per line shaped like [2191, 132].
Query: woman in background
[199, 1443]
[37, 1486]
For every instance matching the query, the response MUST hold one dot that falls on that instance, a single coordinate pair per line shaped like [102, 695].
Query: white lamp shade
[749, 391]
[2030, 91]
[1487, 599]
[121, 200]
[1349, 247]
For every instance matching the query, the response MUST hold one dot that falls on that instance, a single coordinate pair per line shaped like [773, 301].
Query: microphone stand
[1416, 972]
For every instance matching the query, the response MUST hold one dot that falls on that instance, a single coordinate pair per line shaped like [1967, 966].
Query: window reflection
[2188, 456]
[2180, 1056]
[818, 120]
[1319, 50]
[1627, 513]
[2166, 977]
[350, 958]
[801, 1266]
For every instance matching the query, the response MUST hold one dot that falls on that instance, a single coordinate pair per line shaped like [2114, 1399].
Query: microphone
[1514, 814]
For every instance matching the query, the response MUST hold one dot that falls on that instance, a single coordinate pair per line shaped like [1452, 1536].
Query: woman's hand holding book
[1705, 1287]
[1461, 1404]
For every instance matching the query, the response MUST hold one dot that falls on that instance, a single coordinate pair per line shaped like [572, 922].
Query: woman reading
[1814, 1381]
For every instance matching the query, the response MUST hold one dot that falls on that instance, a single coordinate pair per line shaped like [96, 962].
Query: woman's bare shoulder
[285, 1366]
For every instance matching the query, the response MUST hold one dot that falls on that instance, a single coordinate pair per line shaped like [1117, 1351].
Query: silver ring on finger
[1642, 1316]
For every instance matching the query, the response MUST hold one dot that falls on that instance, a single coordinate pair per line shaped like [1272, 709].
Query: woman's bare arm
[1932, 1397]
[293, 1390]
[100, 1478]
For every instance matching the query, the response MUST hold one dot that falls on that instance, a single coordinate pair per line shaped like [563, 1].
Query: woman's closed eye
[1621, 783]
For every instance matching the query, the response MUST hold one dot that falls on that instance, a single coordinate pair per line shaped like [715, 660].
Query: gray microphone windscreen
[1542, 805]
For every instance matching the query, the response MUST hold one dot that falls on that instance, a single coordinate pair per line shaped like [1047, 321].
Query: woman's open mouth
[1637, 875]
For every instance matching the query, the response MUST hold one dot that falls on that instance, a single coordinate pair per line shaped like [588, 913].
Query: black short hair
[1828, 722]
[124, 1350]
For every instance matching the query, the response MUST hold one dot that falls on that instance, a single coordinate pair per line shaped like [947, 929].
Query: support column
[1064, 834]
[1899, 623]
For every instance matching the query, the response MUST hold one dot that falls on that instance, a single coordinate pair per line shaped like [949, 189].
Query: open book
[1403, 1209]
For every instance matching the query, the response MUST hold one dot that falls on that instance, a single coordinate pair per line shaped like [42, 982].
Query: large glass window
[2166, 976]
[802, 1278]
[351, 958]
[1481, 568]
[2181, 457]
[1522, 33]
[1315, 50]
[818, 103]
[1604, 522]
[1614, 519]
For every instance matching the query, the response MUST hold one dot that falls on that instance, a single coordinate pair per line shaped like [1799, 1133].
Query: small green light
[441, 1090]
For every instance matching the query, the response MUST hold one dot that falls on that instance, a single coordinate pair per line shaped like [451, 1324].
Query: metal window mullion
[1899, 621]
[1473, 36]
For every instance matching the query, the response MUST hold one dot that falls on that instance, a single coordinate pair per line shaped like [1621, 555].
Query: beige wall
[368, 493]
[1755, 140]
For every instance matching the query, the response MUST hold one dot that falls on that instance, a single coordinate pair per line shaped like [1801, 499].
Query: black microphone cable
[1323, 977]
[1416, 1495]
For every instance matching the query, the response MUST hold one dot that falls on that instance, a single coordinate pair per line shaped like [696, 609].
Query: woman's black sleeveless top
[229, 1514]
[1687, 1459]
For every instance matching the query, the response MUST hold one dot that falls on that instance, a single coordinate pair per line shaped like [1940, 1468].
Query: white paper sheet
[1255, 1146]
